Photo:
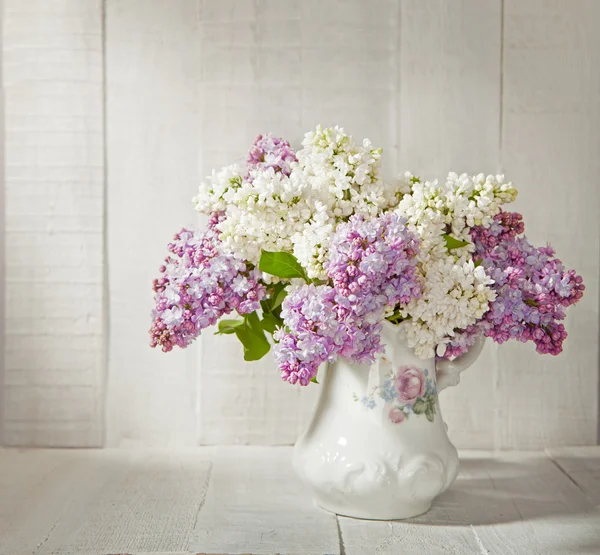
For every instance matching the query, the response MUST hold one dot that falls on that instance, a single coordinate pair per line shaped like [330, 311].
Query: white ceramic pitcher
[377, 446]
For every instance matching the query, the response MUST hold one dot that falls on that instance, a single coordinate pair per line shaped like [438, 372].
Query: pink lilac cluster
[271, 152]
[312, 333]
[199, 284]
[371, 266]
[463, 340]
[372, 263]
[533, 289]
[504, 228]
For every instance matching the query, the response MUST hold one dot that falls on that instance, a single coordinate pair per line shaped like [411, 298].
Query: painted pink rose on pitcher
[408, 391]
[410, 384]
[397, 415]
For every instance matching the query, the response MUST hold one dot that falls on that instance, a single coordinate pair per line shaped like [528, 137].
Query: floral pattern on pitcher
[409, 390]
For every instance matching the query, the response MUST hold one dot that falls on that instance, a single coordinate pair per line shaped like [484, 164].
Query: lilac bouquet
[311, 250]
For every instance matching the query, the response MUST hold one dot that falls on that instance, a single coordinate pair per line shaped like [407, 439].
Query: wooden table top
[247, 500]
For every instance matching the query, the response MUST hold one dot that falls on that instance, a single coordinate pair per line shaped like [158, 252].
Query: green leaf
[478, 262]
[395, 318]
[419, 406]
[452, 243]
[272, 304]
[228, 326]
[279, 294]
[430, 414]
[270, 322]
[430, 407]
[252, 337]
[314, 380]
[281, 264]
[255, 325]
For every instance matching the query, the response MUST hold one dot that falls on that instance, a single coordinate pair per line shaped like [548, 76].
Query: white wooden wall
[54, 349]
[466, 85]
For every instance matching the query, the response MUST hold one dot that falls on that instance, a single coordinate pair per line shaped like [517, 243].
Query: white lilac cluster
[295, 202]
[264, 212]
[214, 195]
[455, 293]
[262, 205]
[342, 179]
[469, 201]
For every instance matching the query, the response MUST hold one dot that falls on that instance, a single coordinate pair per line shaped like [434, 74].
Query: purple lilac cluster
[463, 340]
[505, 228]
[372, 263]
[371, 266]
[199, 284]
[533, 289]
[271, 152]
[312, 332]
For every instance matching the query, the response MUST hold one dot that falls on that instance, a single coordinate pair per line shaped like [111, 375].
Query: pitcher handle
[448, 371]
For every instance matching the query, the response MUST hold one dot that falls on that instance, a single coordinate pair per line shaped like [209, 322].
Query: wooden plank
[509, 503]
[449, 120]
[550, 145]
[99, 502]
[247, 500]
[152, 64]
[582, 465]
[449, 94]
[54, 180]
[255, 504]
[135, 501]
[284, 67]
[23, 479]
[2, 226]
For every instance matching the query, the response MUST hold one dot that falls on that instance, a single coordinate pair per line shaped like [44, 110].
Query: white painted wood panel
[152, 75]
[449, 120]
[84, 502]
[501, 503]
[256, 504]
[422, 79]
[189, 83]
[54, 356]
[2, 225]
[449, 86]
[582, 465]
[550, 146]
[247, 500]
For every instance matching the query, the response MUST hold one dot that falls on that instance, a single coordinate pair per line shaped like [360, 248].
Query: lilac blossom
[371, 265]
[312, 333]
[463, 340]
[271, 152]
[504, 228]
[319, 327]
[533, 289]
[199, 284]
